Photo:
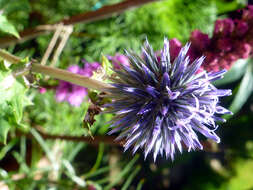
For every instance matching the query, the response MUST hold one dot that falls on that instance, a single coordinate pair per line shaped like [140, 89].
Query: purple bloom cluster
[232, 40]
[72, 93]
[161, 105]
[175, 47]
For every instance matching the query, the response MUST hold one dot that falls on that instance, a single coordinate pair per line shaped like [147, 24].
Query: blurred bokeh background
[45, 141]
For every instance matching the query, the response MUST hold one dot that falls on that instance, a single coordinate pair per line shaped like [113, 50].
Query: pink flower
[243, 50]
[89, 68]
[72, 93]
[74, 69]
[224, 27]
[175, 47]
[224, 44]
[241, 27]
[62, 91]
[77, 95]
[91, 187]
[199, 40]
[42, 90]
[248, 13]
[118, 60]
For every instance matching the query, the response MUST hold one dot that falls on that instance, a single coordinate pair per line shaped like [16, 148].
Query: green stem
[59, 73]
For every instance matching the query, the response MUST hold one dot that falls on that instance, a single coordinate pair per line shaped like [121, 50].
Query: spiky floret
[161, 105]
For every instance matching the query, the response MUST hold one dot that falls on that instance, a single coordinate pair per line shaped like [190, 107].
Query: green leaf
[7, 27]
[130, 178]
[245, 89]
[107, 65]
[13, 99]
[140, 184]
[235, 73]
[127, 169]
[4, 129]
[7, 147]
[99, 158]
[17, 106]
[227, 6]
[43, 145]
[70, 172]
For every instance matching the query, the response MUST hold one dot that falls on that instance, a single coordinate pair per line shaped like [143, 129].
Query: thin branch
[90, 16]
[105, 12]
[52, 44]
[67, 30]
[208, 146]
[97, 139]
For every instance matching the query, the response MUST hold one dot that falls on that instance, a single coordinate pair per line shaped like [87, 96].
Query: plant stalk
[59, 73]
[9, 57]
[69, 77]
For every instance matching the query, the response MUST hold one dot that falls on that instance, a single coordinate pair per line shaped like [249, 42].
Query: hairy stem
[70, 77]
[59, 73]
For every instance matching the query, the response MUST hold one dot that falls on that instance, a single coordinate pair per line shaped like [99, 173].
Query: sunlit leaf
[4, 128]
[13, 100]
[7, 27]
[235, 73]
[245, 89]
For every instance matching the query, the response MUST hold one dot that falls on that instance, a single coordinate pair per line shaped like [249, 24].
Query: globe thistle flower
[162, 106]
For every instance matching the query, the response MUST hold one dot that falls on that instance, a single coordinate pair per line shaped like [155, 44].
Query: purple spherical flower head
[161, 105]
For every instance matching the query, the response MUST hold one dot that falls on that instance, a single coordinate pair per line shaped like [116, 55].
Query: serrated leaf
[7, 27]
[4, 129]
[17, 107]
[245, 89]
[9, 87]
[235, 73]
[13, 99]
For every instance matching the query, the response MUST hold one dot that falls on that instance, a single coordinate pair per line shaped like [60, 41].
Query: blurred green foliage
[17, 12]
[154, 21]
